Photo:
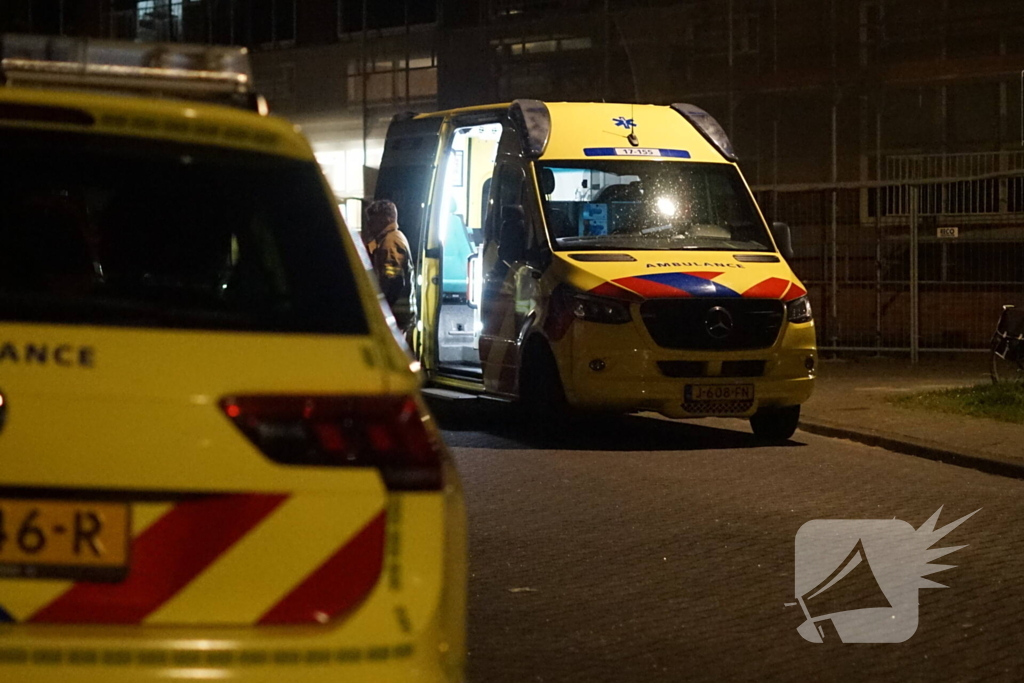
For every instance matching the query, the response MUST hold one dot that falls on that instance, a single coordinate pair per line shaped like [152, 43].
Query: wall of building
[865, 124]
[344, 94]
[810, 90]
[939, 76]
[68, 17]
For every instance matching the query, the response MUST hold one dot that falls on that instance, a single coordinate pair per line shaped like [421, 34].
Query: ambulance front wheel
[540, 386]
[775, 424]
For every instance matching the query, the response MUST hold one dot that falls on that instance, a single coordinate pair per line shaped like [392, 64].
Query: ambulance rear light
[184, 71]
[387, 433]
[706, 124]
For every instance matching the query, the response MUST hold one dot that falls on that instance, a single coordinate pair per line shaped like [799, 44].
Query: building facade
[339, 68]
[888, 133]
[872, 126]
[810, 90]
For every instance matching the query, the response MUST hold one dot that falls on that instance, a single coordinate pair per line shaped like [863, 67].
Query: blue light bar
[533, 120]
[706, 124]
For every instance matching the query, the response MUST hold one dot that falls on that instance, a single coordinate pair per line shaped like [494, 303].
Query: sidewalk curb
[921, 449]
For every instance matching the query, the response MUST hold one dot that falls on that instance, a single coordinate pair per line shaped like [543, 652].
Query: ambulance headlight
[799, 310]
[599, 309]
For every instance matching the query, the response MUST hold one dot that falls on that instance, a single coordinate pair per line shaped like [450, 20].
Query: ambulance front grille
[713, 324]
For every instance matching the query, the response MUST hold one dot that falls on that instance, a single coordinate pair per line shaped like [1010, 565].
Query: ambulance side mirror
[512, 242]
[783, 238]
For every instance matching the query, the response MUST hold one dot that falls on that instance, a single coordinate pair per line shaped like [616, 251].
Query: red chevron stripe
[613, 291]
[795, 292]
[164, 559]
[772, 288]
[339, 584]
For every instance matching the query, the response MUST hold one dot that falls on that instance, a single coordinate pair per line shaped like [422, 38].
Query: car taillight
[383, 432]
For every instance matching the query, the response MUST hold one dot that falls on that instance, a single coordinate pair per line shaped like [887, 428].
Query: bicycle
[1007, 359]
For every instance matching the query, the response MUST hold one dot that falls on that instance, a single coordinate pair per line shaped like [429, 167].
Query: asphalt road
[638, 549]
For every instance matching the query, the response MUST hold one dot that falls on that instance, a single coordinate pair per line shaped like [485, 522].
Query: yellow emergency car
[608, 257]
[215, 462]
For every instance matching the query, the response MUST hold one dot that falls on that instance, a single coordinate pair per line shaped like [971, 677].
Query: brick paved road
[638, 549]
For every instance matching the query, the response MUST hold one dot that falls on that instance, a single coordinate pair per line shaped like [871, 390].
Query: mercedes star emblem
[718, 322]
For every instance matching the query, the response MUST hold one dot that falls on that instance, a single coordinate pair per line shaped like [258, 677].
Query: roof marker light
[706, 124]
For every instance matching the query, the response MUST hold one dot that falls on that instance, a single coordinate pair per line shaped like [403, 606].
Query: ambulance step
[448, 394]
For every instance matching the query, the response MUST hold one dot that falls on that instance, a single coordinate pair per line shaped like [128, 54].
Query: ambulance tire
[541, 394]
[775, 424]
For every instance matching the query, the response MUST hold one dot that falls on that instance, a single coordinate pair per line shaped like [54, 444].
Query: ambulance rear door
[406, 177]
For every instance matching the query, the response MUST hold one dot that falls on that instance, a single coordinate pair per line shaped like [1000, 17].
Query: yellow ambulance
[606, 257]
[215, 462]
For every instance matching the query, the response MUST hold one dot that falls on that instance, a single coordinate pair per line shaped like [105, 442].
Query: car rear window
[110, 231]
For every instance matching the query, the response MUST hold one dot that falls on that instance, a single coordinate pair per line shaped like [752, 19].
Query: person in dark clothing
[392, 260]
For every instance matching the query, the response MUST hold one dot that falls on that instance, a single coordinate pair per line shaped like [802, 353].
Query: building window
[382, 14]
[273, 22]
[158, 20]
[393, 80]
[514, 8]
[516, 47]
[280, 91]
[746, 34]
[872, 31]
[711, 35]
[284, 21]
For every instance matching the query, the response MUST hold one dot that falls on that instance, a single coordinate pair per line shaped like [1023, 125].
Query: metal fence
[904, 264]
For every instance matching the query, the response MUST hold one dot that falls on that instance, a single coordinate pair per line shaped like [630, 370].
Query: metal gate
[909, 265]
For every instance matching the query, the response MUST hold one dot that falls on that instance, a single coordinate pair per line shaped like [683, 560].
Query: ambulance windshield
[620, 204]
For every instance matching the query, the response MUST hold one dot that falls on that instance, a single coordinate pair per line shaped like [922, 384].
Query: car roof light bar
[706, 124]
[189, 71]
